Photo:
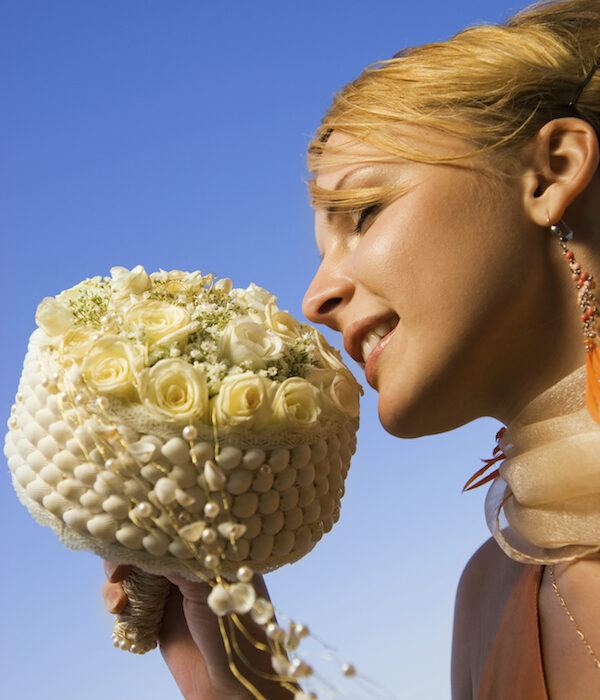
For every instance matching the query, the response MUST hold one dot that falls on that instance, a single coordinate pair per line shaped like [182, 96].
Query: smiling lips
[373, 337]
[365, 339]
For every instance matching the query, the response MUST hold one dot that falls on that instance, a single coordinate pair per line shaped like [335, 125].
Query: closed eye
[364, 215]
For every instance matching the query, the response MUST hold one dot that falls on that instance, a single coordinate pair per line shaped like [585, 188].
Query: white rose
[331, 357]
[111, 366]
[125, 282]
[52, 317]
[161, 321]
[243, 400]
[244, 340]
[296, 404]
[282, 323]
[76, 343]
[340, 388]
[175, 389]
[256, 297]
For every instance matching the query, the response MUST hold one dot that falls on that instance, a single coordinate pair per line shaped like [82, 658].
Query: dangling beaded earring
[590, 310]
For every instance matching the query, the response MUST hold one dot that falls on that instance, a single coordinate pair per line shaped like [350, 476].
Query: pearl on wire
[209, 535]
[189, 433]
[102, 403]
[144, 509]
[245, 574]
[211, 561]
[211, 509]
[348, 670]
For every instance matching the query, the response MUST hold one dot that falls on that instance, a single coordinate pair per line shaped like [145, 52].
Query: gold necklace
[570, 616]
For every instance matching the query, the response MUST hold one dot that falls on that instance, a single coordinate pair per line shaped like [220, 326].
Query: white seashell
[176, 450]
[336, 481]
[53, 404]
[284, 543]
[198, 499]
[300, 456]
[25, 474]
[104, 527]
[143, 450]
[75, 448]
[193, 531]
[333, 445]
[230, 530]
[15, 462]
[262, 611]
[107, 483]
[37, 489]
[156, 543]
[117, 506]
[269, 502]
[23, 447]
[285, 479]
[133, 489]
[181, 549]
[33, 404]
[229, 457]
[273, 523]
[60, 431]
[318, 450]
[130, 536]
[289, 499]
[34, 433]
[303, 539]
[328, 524]
[71, 489]
[327, 505]
[97, 457]
[253, 458]
[84, 435]
[279, 459]
[321, 486]
[253, 525]
[165, 490]
[86, 473]
[306, 475]
[151, 473]
[184, 474]
[263, 481]
[245, 505]
[165, 524]
[261, 547]
[44, 417]
[322, 468]
[36, 461]
[306, 495]
[238, 550]
[219, 600]
[311, 512]
[77, 518]
[281, 666]
[202, 451]
[128, 434]
[243, 597]
[54, 503]
[239, 481]
[65, 461]
[215, 478]
[293, 519]
[92, 501]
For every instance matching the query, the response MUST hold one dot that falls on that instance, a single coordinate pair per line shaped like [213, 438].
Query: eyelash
[363, 216]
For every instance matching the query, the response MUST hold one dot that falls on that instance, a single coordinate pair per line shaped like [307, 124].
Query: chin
[418, 419]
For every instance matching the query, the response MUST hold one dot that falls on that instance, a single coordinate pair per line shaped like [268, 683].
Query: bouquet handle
[136, 628]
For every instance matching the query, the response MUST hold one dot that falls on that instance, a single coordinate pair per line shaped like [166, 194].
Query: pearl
[134, 649]
[209, 535]
[245, 574]
[64, 396]
[55, 377]
[96, 337]
[301, 630]
[112, 464]
[274, 632]
[189, 432]
[105, 319]
[12, 423]
[211, 509]
[13, 409]
[211, 561]
[19, 396]
[102, 403]
[44, 381]
[143, 509]
[300, 669]
[348, 670]
[124, 645]
[79, 399]
[265, 469]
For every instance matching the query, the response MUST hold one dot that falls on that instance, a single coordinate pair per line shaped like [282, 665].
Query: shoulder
[483, 591]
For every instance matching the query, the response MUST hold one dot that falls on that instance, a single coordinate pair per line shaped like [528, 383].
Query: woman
[446, 183]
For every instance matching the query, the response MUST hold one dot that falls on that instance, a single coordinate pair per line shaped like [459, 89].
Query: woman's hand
[191, 644]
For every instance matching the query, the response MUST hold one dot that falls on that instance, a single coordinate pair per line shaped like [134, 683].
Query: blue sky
[172, 134]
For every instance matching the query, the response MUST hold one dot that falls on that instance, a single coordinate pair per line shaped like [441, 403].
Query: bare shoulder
[571, 661]
[483, 591]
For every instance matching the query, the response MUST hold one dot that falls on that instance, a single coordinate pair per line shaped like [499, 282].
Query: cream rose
[331, 357]
[296, 404]
[111, 366]
[125, 282]
[53, 317]
[76, 343]
[243, 401]
[161, 321]
[175, 389]
[256, 297]
[244, 340]
[339, 387]
[282, 323]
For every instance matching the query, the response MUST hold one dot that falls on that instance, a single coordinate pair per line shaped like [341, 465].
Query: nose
[327, 297]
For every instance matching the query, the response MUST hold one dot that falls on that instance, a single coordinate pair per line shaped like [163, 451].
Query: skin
[464, 259]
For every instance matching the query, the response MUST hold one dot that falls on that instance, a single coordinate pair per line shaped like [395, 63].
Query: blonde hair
[492, 86]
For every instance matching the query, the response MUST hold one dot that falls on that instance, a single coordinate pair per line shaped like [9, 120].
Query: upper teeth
[374, 336]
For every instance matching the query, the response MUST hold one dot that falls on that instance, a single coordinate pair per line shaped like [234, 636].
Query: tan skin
[496, 294]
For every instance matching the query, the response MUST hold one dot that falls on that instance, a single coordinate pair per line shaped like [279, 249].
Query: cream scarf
[545, 505]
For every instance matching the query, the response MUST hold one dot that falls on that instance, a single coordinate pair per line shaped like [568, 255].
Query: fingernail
[113, 602]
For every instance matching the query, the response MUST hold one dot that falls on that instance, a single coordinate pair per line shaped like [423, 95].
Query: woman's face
[435, 294]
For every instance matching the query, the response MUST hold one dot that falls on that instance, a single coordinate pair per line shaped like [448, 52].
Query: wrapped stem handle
[136, 628]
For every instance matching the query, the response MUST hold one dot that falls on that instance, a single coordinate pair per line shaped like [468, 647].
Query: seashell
[293, 519]
[285, 479]
[262, 611]
[181, 549]
[327, 504]
[229, 457]
[53, 404]
[165, 490]
[238, 550]
[253, 458]
[214, 477]
[92, 501]
[14, 462]
[75, 448]
[239, 481]
[36, 461]
[37, 489]
[202, 451]
[65, 461]
[316, 531]
[230, 530]
[143, 450]
[23, 447]
[261, 547]
[336, 481]
[104, 527]
[243, 597]
[281, 666]
[97, 457]
[33, 404]
[60, 431]
[86, 473]
[219, 600]
[107, 483]
[193, 531]
[183, 498]
[328, 524]
[133, 489]
[279, 459]
[128, 434]
[56, 504]
[165, 524]
[44, 417]
[321, 486]
[130, 536]
[85, 436]
[117, 506]
[71, 489]
[273, 523]
[176, 450]
[311, 512]
[300, 456]
[156, 543]
[198, 497]
[245, 505]
[253, 525]
[333, 445]
[34, 433]
[306, 495]
[322, 468]
[77, 518]
[184, 474]
[151, 473]
[289, 499]
[306, 475]
[318, 450]
[263, 481]
[302, 543]
[284, 543]
[269, 502]
[24, 474]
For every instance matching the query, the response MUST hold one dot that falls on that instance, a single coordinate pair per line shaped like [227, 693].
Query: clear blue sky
[172, 134]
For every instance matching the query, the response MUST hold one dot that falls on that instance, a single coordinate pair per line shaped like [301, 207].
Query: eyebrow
[331, 211]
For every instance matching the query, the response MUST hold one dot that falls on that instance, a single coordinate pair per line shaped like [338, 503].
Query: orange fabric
[593, 381]
[514, 669]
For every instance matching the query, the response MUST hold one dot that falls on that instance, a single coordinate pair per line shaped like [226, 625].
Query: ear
[563, 160]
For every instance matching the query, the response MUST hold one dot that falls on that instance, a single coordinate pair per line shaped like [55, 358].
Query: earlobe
[564, 159]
